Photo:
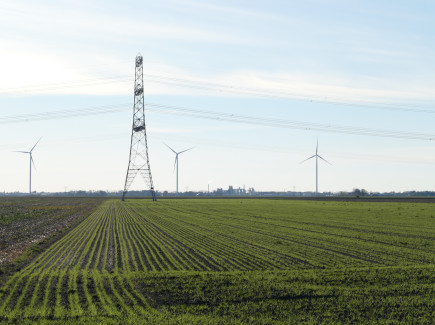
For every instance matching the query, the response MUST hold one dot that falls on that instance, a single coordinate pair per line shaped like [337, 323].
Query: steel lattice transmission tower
[139, 161]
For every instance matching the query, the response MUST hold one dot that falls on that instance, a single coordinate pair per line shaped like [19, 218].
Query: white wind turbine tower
[317, 165]
[30, 162]
[176, 159]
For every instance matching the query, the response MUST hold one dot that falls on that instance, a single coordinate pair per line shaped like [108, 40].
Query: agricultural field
[233, 261]
[29, 225]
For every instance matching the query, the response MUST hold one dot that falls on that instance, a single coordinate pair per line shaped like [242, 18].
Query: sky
[250, 85]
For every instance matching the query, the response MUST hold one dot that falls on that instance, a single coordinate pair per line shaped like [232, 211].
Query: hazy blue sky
[359, 75]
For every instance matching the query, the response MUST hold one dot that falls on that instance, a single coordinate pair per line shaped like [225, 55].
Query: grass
[233, 261]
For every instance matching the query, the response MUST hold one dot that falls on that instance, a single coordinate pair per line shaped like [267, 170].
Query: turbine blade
[186, 150]
[175, 162]
[307, 159]
[33, 162]
[170, 148]
[324, 159]
[21, 151]
[35, 144]
[317, 145]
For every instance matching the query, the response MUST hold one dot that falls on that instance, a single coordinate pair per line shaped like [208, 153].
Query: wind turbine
[176, 159]
[30, 162]
[317, 165]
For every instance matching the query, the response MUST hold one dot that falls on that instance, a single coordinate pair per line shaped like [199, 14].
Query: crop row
[317, 239]
[91, 270]
[77, 275]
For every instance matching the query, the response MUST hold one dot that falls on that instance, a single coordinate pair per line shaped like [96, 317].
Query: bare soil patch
[29, 225]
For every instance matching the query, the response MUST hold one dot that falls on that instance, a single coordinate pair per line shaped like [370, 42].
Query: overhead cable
[221, 88]
[223, 117]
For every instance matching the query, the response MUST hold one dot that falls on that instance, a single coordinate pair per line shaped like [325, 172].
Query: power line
[222, 117]
[76, 112]
[246, 91]
[65, 85]
[278, 94]
[281, 123]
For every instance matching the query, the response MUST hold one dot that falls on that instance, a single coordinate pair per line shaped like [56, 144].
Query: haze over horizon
[250, 85]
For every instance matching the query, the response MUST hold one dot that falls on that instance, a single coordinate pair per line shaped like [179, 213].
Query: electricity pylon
[139, 160]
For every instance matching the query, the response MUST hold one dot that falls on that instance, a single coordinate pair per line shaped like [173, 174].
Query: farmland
[233, 261]
[29, 225]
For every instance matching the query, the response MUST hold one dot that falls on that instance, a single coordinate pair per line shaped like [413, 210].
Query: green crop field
[233, 261]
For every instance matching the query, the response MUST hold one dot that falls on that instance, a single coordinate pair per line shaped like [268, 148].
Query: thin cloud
[232, 10]
[54, 21]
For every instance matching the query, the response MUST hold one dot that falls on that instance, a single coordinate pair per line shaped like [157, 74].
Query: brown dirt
[30, 225]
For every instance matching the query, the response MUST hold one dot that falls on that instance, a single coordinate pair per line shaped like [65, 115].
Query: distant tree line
[227, 193]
